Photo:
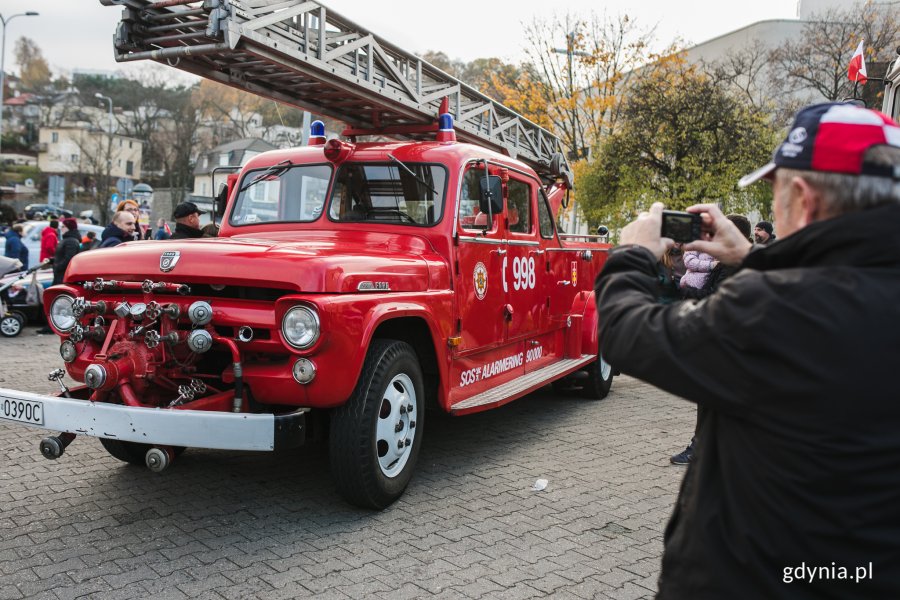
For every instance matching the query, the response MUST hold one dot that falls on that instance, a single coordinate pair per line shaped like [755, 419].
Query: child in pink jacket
[697, 267]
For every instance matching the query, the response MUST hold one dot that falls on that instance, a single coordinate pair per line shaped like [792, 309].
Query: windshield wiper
[416, 177]
[274, 169]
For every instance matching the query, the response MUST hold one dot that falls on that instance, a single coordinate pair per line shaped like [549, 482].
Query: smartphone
[683, 227]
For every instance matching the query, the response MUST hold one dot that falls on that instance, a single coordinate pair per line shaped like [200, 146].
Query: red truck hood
[335, 262]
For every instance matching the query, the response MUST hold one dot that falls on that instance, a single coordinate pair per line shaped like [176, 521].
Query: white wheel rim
[10, 326]
[396, 428]
[605, 369]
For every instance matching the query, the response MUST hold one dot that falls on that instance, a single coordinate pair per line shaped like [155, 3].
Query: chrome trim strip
[478, 240]
[577, 249]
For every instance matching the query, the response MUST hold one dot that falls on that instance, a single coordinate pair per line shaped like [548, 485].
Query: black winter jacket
[67, 248]
[183, 232]
[113, 235]
[798, 454]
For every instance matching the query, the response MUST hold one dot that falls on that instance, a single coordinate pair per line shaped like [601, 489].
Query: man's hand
[645, 231]
[721, 238]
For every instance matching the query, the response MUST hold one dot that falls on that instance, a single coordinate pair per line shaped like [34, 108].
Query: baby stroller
[12, 321]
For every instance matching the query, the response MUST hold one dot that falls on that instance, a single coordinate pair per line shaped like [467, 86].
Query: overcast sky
[78, 33]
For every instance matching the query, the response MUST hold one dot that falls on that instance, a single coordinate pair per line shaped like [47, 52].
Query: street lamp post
[570, 53]
[30, 13]
[100, 96]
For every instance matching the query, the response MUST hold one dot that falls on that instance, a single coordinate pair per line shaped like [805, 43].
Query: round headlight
[61, 315]
[300, 327]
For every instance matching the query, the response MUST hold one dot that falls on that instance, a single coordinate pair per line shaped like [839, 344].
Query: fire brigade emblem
[168, 260]
[480, 276]
[574, 273]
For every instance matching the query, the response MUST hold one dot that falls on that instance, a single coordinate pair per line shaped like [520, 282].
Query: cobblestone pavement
[242, 525]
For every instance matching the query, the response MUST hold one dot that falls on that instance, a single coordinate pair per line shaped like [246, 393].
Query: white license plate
[24, 411]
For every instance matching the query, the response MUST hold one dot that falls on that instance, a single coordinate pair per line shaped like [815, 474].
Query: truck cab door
[523, 262]
[479, 283]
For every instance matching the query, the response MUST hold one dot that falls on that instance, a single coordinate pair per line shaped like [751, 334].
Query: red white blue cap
[833, 138]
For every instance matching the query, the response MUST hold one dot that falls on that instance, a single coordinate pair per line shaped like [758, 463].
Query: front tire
[11, 325]
[132, 453]
[376, 435]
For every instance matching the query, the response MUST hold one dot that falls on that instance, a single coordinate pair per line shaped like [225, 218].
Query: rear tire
[599, 380]
[376, 435]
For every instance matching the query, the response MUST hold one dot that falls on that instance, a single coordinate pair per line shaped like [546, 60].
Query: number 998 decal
[524, 277]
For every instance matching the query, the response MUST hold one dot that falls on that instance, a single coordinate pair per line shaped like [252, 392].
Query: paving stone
[270, 525]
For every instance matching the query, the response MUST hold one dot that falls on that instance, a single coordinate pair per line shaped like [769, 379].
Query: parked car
[31, 235]
[46, 209]
[15, 295]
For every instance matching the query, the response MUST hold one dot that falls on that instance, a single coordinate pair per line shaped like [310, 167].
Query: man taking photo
[798, 452]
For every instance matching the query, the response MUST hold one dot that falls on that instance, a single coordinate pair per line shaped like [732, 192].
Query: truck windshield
[294, 193]
[408, 194]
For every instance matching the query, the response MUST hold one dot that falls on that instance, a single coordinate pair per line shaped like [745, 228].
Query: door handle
[538, 252]
[500, 252]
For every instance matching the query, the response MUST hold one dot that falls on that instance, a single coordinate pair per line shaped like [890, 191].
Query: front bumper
[157, 426]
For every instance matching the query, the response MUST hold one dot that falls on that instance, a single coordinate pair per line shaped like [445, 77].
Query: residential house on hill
[230, 154]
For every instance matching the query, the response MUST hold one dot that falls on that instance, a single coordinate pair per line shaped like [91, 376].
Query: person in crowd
[764, 233]
[793, 358]
[132, 207]
[719, 274]
[120, 230]
[210, 230]
[162, 230]
[720, 271]
[698, 266]
[670, 264]
[69, 247]
[49, 240]
[187, 221]
[14, 247]
[89, 241]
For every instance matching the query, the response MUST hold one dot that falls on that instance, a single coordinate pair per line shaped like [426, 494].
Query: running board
[520, 385]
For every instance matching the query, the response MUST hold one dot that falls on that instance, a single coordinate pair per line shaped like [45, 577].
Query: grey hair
[844, 194]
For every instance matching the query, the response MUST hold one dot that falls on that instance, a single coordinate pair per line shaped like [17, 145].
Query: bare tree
[816, 62]
[578, 67]
[94, 164]
[746, 71]
[175, 140]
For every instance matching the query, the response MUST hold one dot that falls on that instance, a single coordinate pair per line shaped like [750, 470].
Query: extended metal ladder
[302, 54]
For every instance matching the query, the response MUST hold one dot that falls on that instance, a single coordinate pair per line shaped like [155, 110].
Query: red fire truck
[354, 284]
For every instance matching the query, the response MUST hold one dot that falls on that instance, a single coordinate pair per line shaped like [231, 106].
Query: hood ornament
[168, 260]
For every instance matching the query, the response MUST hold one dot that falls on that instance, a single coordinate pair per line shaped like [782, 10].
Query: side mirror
[491, 200]
[603, 230]
[221, 200]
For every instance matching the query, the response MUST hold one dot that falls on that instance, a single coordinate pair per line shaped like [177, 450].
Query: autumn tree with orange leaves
[604, 50]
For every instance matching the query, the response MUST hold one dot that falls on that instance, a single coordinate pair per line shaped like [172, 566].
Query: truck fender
[585, 306]
[387, 311]
[590, 327]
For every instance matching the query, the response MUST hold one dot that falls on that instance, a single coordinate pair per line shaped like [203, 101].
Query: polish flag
[857, 69]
